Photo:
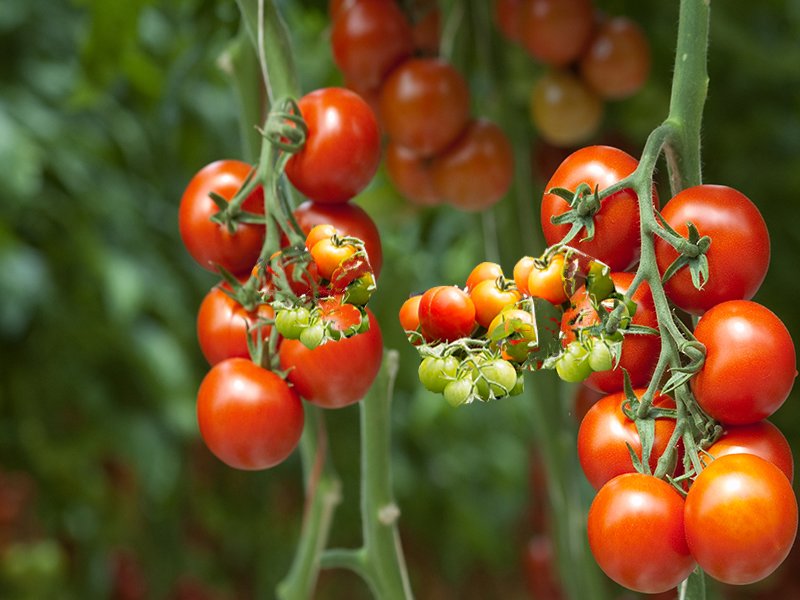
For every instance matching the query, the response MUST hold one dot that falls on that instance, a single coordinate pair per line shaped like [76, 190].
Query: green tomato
[600, 358]
[458, 391]
[494, 378]
[573, 366]
[519, 387]
[312, 336]
[291, 322]
[436, 372]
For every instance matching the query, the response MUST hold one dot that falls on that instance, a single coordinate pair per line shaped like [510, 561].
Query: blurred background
[106, 491]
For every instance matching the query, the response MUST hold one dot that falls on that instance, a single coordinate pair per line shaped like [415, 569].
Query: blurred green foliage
[106, 110]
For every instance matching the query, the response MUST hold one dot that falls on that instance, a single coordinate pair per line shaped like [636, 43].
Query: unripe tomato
[436, 372]
[564, 110]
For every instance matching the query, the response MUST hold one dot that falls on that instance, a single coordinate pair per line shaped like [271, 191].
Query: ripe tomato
[349, 220]
[318, 233]
[248, 416]
[564, 110]
[548, 283]
[733, 223]
[556, 32]
[328, 256]
[616, 239]
[522, 270]
[424, 105]
[639, 352]
[605, 431]
[411, 175]
[339, 373]
[762, 439]
[483, 271]
[222, 325]
[741, 518]
[617, 62]
[490, 300]
[409, 313]
[750, 363]
[446, 313]
[342, 149]
[636, 533]
[476, 170]
[211, 244]
[369, 38]
[507, 15]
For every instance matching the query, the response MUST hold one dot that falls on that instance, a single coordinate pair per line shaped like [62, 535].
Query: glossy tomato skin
[446, 313]
[481, 272]
[605, 432]
[762, 439]
[556, 32]
[248, 416]
[411, 175]
[750, 363]
[636, 533]
[616, 239]
[211, 244]
[409, 313]
[222, 325]
[335, 374]
[343, 146]
[739, 254]
[617, 62]
[741, 518]
[490, 300]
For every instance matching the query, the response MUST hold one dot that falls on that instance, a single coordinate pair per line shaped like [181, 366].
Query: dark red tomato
[616, 239]
[335, 374]
[605, 433]
[636, 533]
[411, 175]
[223, 323]
[424, 105]
[369, 38]
[248, 416]
[211, 244]
[349, 220]
[741, 518]
[446, 313]
[762, 439]
[564, 110]
[507, 16]
[738, 257]
[750, 363]
[639, 352]
[475, 171]
[342, 149]
[556, 32]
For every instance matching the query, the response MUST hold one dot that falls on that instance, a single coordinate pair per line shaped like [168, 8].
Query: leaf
[693, 587]
[547, 320]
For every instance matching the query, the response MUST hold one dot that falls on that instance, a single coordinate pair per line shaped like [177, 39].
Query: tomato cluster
[589, 58]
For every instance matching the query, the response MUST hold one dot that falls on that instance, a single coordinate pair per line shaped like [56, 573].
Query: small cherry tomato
[436, 372]
[483, 271]
[318, 233]
[490, 299]
[522, 270]
[411, 175]
[548, 283]
[446, 313]
[328, 255]
[564, 110]
[617, 62]
[556, 32]
[409, 313]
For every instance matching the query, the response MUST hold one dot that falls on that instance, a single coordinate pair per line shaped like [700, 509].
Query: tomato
[446, 313]
[409, 313]
[426, 32]
[248, 416]
[495, 377]
[573, 365]
[424, 105]
[329, 255]
[436, 372]
[411, 175]
[733, 223]
[548, 283]
[616, 239]
[636, 533]
[518, 331]
[762, 439]
[476, 170]
[564, 110]
[335, 374]
[639, 352]
[585, 397]
[556, 32]
[541, 574]
[211, 244]
[507, 15]
[750, 363]
[605, 432]
[343, 146]
[522, 270]
[222, 325]
[483, 271]
[617, 62]
[318, 233]
[741, 518]
[491, 299]
[349, 220]
[369, 39]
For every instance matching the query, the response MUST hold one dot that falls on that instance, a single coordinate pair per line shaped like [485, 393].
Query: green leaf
[547, 320]
[693, 587]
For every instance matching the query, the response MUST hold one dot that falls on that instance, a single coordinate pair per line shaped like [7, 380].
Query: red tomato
[490, 300]
[409, 313]
[556, 32]
[636, 533]
[335, 374]
[639, 352]
[483, 271]
[605, 431]
[541, 573]
[762, 439]
[476, 170]
[585, 398]
[249, 418]
[426, 32]
[733, 223]
[424, 105]
[411, 175]
[741, 518]
[750, 363]
[616, 239]
[349, 220]
[222, 325]
[446, 313]
[507, 15]
[342, 149]
[564, 110]
[211, 244]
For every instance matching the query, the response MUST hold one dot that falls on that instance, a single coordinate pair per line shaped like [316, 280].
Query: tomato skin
[343, 146]
[222, 325]
[555, 32]
[483, 271]
[733, 223]
[490, 300]
[741, 518]
[750, 363]
[636, 533]
[248, 416]
[762, 439]
[210, 244]
[548, 283]
[411, 175]
[329, 256]
[605, 431]
[616, 239]
[409, 313]
[446, 313]
[564, 110]
[335, 374]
